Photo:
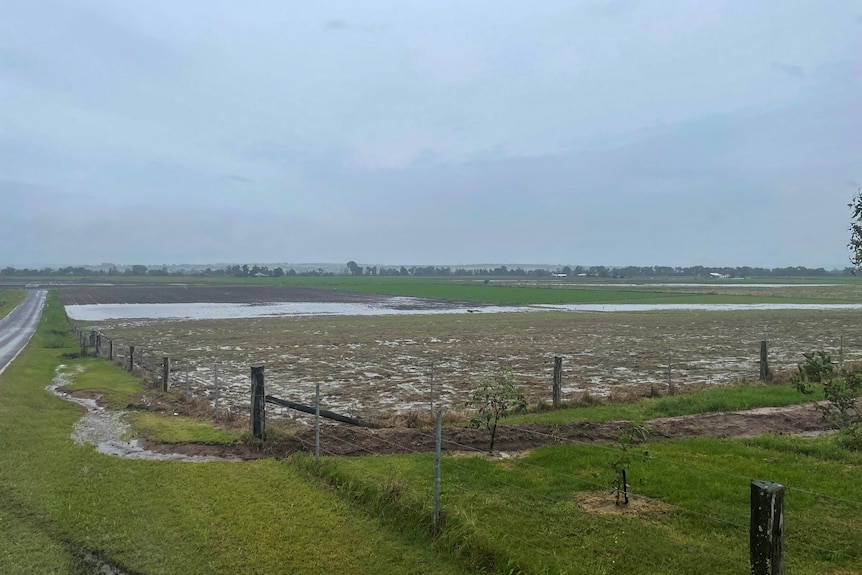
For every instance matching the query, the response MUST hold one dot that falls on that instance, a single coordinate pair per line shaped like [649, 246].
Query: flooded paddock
[381, 361]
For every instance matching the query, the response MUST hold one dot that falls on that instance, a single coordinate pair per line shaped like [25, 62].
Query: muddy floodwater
[388, 306]
[105, 430]
[392, 306]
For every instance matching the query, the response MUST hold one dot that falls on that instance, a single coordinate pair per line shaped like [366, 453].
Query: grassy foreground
[61, 504]
[553, 511]
[737, 397]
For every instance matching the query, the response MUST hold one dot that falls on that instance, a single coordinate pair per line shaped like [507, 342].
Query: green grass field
[552, 511]
[9, 299]
[529, 291]
[60, 502]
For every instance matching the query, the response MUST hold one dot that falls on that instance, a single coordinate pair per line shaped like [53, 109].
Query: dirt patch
[511, 442]
[373, 367]
[604, 503]
[794, 419]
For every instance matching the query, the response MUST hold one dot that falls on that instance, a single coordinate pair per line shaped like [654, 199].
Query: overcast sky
[616, 132]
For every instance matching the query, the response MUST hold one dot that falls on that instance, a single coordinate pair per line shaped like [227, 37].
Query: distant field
[531, 291]
[550, 291]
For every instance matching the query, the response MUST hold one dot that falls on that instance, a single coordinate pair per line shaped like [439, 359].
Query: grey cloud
[597, 132]
[238, 179]
[789, 69]
[336, 24]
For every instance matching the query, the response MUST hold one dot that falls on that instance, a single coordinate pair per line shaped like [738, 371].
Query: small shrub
[817, 368]
[850, 438]
[497, 397]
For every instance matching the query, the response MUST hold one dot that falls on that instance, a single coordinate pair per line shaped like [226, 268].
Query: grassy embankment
[553, 511]
[9, 299]
[737, 397]
[60, 502]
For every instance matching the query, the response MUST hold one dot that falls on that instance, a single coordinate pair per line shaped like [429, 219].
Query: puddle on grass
[104, 429]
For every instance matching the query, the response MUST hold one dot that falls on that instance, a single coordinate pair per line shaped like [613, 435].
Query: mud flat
[373, 365]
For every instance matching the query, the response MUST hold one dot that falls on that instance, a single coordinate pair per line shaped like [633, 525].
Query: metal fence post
[439, 436]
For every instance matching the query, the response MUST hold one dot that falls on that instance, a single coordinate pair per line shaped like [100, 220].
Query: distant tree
[353, 268]
[567, 270]
[855, 243]
[278, 272]
[498, 396]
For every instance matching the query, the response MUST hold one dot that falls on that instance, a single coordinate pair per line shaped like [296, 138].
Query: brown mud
[344, 440]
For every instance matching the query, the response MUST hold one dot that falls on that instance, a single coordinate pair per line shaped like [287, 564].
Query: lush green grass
[178, 429]
[744, 395]
[509, 292]
[59, 500]
[9, 299]
[689, 507]
[118, 389]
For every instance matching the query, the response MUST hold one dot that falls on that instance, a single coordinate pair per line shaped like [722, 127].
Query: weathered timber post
[767, 528]
[93, 337]
[131, 357]
[841, 353]
[317, 422]
[188, 388]
[432, 389]
[764, 362]
[98, 343]
[671, 388]
[166, 373]
[258, 407]
[110, 350]
[438, 447]
[558, 381]
[215, 382]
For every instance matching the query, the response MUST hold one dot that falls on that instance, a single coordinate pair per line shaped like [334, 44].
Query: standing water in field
[104, 429]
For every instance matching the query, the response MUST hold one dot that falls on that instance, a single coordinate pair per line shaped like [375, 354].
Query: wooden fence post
[131, 358]
[215, 384]
[110, 350]
[258, 407]
[767, 528]
[317, 422]
[558, 381]
[166, 372]
[98, 343]
[764, 362]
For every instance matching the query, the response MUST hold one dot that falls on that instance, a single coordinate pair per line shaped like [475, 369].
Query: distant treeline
[353, 269]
